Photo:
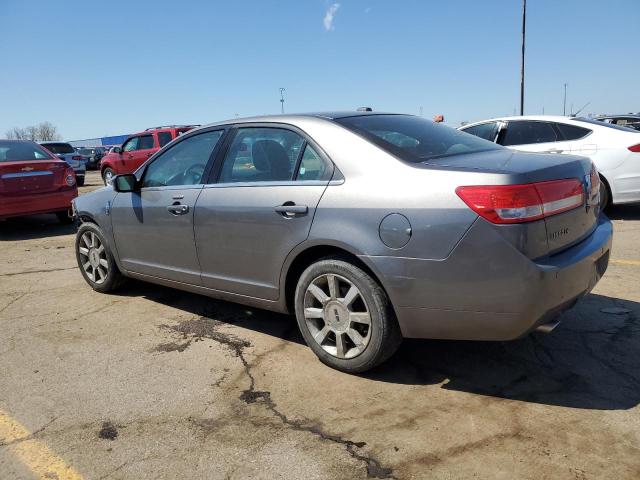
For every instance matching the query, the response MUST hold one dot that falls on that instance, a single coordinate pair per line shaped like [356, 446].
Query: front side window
[131, 144]
[414, 139]
[486, 131]
[164, 138]
[261, 155]
[524, 132]
[145, 142]
[184, 163]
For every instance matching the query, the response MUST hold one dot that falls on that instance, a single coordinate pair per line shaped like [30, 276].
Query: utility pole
[564, 108]
[524, 24]
[282, 100]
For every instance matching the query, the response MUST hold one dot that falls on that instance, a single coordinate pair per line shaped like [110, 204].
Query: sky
[106, 68]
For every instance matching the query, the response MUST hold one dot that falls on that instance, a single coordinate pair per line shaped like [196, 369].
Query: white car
[614, 150]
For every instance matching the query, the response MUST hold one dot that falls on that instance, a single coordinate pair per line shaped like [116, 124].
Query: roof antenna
[585, 106]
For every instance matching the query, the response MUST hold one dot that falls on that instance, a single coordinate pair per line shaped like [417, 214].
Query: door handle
[291, 209]
[178, 209]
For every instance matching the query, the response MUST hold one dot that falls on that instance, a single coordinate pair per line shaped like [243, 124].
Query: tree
[43, 132]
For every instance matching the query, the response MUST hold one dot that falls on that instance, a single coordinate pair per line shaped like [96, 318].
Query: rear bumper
[488, 290]
[37, 203]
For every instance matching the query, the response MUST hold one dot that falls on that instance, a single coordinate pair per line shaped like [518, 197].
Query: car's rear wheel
[345, 316]
[107, 175]
[95, 260]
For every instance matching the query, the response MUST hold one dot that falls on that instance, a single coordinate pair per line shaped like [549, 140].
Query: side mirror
[125, 183]
[117, 150]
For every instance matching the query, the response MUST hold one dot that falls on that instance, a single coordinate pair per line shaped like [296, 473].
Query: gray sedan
[369, 227]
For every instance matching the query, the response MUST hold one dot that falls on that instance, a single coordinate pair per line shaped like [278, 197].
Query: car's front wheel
[95, 260]
[107, 175]
[345, 316]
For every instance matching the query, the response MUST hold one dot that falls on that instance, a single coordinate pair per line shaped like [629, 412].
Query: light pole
[282, 100]
[524, 24]
[564, 107]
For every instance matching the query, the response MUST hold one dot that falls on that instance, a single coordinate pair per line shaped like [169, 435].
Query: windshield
[605, 124]
[414, 139]
[59, 147]
[17, 150]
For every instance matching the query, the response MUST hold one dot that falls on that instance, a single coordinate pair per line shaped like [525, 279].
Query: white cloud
[329, 16]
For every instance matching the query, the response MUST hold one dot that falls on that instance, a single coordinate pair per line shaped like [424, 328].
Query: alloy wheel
[94, 257]
[337, 316]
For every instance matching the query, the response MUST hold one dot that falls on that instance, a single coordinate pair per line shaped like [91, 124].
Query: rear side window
[145, 142]
[261, 155]
[524, 132]
[487, 131]
[414, 139]
[571, 132]
[164, 138]
[15, 151]
[312, 167]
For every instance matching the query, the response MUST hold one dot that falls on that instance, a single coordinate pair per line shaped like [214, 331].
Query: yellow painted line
[39, 458]
[625, 262]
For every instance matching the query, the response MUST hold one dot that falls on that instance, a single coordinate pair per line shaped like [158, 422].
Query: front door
[262, 206]
[153, 227]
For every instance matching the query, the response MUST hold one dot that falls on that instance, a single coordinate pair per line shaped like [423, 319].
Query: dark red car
[137, 149]
[32, 180]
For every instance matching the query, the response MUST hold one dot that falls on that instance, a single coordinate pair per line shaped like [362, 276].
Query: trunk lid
[562, 230]
[31, 176]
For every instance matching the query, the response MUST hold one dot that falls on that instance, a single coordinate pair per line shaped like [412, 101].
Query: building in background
[97, 142]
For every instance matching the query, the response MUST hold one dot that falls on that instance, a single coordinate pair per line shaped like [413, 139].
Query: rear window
[85, 151]
[414, 139]
[14, 151]
[59, 147]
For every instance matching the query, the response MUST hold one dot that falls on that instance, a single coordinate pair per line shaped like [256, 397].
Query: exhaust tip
[547, 327]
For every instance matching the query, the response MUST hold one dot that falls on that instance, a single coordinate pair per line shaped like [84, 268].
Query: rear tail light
[523, 203]
[76, 157]
[635, 148]
[69, 177]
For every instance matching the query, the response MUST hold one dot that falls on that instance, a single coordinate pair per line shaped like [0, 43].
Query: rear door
[153, 227]
[533, 136]
[262, 205]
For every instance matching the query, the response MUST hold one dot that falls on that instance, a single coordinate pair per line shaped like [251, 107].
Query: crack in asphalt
[205, 327]
[12, 274]
[31, 436]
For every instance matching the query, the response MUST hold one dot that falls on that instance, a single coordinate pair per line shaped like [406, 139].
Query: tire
[604, 195]
[64, 218]
[102, 274]
[371, 344]
[107, 173]
[80, 181]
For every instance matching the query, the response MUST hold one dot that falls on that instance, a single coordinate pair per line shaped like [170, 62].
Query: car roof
[621, 115]
[292, 117]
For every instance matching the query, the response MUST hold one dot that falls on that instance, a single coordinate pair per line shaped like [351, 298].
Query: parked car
[614, 150]
[630, 120]
[137, 149]
[370, 227]
[93, 155]
[67, 153]
[33, 181]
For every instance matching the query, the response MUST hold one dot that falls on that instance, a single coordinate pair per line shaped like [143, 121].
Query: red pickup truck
[137, 149]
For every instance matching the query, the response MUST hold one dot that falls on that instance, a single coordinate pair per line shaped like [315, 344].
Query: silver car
[74, 159]
[370, 227]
